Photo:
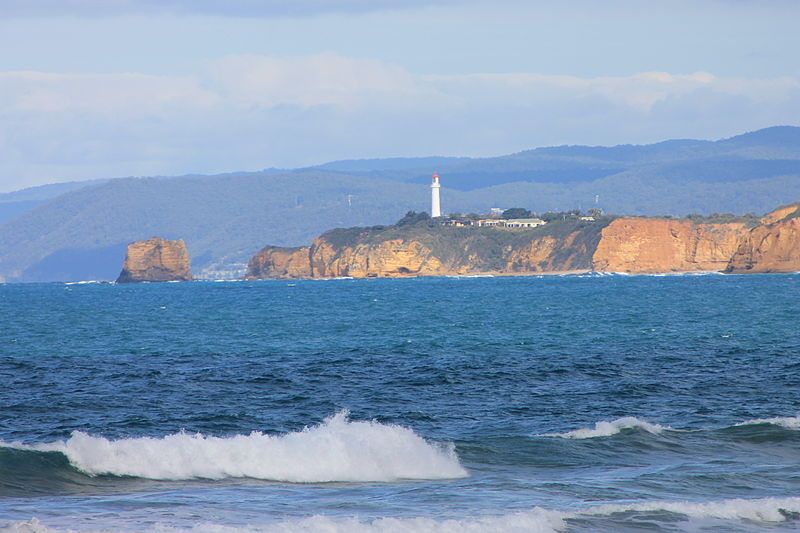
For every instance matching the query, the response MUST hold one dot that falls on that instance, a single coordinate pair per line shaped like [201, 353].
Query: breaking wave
[787, 422]
[336, 450]
[607, 429]
[757, 510]
[766, 511]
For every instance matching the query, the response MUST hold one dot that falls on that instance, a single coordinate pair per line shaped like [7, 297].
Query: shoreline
[476, 275]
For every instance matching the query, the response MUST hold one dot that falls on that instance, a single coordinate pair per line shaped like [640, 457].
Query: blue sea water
[576, 403]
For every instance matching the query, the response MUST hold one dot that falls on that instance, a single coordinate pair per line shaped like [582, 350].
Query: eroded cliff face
[654, 245]
[553, 254]
[390, 258]
[156, 259]
[431, 251]
[279, 262]
[772, 247]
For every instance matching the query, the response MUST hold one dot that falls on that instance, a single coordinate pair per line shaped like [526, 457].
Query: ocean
[557, 403]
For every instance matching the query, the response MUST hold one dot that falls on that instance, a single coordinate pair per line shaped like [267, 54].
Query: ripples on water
[494, 404]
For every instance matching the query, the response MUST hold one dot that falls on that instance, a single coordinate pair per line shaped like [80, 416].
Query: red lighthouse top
[435, 177]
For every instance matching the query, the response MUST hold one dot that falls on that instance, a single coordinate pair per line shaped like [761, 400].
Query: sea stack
[156, 259]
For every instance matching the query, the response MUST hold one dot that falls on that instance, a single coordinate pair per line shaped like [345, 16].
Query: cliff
[156, 259]
[279, 262]
[771, 247]
[429, 249]
[634, 245]
[650, 245]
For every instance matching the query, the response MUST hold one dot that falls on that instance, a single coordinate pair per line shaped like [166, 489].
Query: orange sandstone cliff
[652, 245]
[773, 246]
[629, 244]
[279, 262]
[390, 258]
[156, 259]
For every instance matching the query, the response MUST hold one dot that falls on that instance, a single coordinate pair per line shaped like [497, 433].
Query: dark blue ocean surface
[578, 403]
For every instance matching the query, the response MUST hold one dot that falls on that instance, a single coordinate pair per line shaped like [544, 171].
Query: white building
[524, 222]
[490, 222]
[436, 205]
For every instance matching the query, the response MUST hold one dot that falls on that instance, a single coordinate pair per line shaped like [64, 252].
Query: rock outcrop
[771, 247]
[156, 259]
[279, 262]
[653, 245]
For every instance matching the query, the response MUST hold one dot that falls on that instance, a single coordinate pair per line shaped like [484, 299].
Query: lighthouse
[436, 206]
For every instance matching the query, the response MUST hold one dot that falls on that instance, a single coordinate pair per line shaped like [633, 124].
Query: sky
[108, 88]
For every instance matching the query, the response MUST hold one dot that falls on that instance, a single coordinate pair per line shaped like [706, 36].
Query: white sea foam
[27, 526]
[788, 422]
[537, 520]
[756, 510]
[336, 450]
[601, 274]
[769, 510]
[683, 274]
[606, 429]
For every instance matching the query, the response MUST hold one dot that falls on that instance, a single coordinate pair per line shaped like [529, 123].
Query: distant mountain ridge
[576, 163]
[80, 230]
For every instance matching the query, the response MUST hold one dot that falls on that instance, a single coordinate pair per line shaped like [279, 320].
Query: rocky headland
[156, 259]
[431, 249]
[607, 244]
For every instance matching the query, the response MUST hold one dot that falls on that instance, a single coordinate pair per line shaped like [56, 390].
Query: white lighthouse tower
[436, 205]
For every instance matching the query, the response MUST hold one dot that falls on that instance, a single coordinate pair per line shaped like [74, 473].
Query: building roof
[524, 221]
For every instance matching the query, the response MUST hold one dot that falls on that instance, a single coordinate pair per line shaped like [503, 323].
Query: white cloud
[254, 111]
[638, 92]
[250, 81]
[323, 79]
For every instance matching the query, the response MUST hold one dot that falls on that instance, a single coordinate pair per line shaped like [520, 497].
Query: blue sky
[92, 88]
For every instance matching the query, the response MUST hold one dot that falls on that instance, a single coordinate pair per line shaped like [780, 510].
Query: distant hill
[13, 204]
[79, 230]
[772, 152]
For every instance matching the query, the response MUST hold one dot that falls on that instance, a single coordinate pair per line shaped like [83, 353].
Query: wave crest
[757, 510]
[336, 450]
[606, 429]
[787, 422]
